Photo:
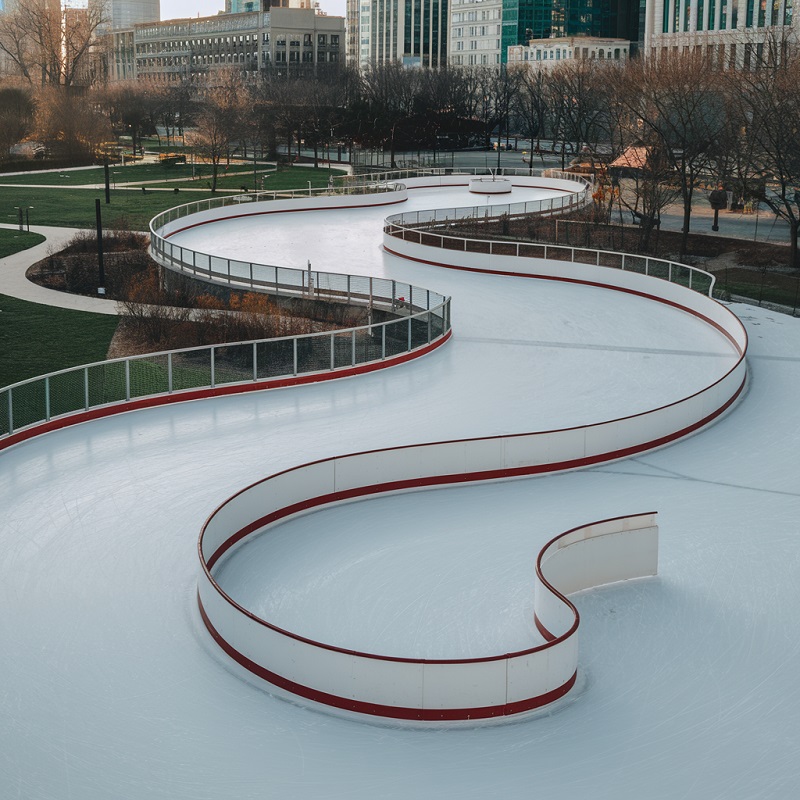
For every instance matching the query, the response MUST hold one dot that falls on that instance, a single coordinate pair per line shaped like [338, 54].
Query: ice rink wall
[406, 688]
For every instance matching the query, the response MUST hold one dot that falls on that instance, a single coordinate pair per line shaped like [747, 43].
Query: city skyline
[178, 9]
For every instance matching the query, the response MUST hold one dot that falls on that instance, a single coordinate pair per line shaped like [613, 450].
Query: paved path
[14, 283]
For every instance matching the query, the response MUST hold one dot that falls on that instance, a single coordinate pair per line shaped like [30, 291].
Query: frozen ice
[111, 688]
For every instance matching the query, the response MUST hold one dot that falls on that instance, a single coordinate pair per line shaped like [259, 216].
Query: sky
[175, 9]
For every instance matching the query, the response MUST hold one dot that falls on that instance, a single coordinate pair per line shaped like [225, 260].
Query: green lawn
[13, 241]
[36, 339]
[132, 173]
[285, 178]
[74, 208]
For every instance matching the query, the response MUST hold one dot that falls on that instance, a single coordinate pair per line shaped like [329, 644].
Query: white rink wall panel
[396, 687]
[591, 555]
[315, 201]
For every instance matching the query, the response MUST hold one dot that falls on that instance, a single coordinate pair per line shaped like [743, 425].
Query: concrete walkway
[14, 283]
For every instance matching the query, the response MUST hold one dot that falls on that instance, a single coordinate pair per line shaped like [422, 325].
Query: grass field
[74, 208]
[13, 241]
[132, 173]
[36, 339]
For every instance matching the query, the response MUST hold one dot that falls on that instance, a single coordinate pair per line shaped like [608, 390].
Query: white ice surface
[110, 687]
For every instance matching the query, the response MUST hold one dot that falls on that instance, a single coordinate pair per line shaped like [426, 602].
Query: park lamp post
[23, 217]
[719, 202]
[101, 289]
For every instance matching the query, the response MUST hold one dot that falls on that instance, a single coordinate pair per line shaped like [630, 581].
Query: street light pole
[101, 289]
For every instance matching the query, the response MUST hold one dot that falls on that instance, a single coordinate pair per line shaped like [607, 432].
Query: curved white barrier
[467, 688]
[246, 205]
[406, 688]
[490, 185]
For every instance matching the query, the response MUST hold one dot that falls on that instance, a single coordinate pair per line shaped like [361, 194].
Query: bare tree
[499, 90]
[48, 44]
[578, 91]
[16, 116]
[389, 92]
[769, 108]
[71, 126]
[533, 107]
[679, 103]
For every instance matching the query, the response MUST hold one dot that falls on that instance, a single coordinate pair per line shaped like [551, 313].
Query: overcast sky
[174, 9]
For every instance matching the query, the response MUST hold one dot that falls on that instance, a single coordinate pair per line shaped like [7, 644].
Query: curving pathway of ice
[111, 687]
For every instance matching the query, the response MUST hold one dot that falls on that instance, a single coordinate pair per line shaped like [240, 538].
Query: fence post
[47, 399]
[127, 379]
[294, 354]
[383, 341]
[333, 351]
[255, 362]
[409, 334]
[169, 373]
[353, 349]
[86, 388]
[213, 368]
[10, 413]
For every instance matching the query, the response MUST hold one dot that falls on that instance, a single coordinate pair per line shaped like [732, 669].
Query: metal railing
[122, 380]
[425, 228]
[420, 317]
[395, 175]
[339, 187]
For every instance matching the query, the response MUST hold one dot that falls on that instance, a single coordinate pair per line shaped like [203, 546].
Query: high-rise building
[734, 33]
[413, 32]
[481, 31]
[124, 14]
[294, 40]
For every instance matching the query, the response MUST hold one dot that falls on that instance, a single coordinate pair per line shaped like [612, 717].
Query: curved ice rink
[111, 686]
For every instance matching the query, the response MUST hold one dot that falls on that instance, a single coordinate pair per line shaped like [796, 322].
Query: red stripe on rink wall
[581, 281]
[551, 667]
[452, 479]
[375, 709]
[280, 211]
[218, 391]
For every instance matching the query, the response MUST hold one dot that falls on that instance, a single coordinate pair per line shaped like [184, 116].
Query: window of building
[308, 55]
[334, 40]
[322, 39]
[294, 43]
[307, 40]
[294, 55]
